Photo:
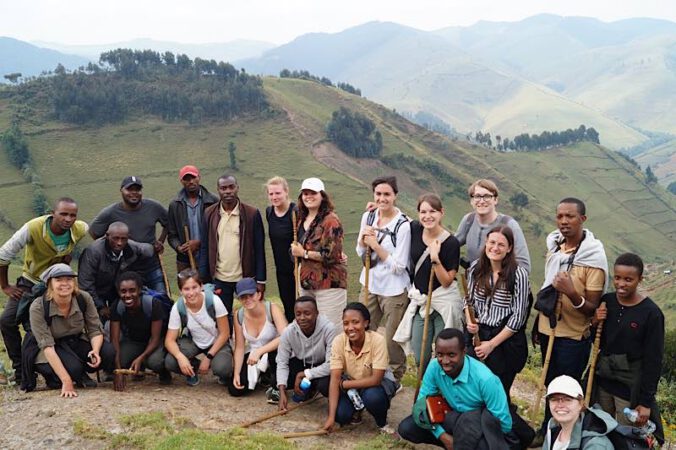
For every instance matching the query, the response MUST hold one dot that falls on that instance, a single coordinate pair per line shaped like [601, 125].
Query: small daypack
[148, 296]
[370, 219]
[268, 313]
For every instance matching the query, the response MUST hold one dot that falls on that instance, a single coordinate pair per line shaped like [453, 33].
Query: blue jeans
[375, 401]
[155, 280]
[569, 357]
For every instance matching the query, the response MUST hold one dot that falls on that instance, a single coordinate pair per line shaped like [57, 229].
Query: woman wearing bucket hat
[573, 425]
[67, 330]
[323, 272]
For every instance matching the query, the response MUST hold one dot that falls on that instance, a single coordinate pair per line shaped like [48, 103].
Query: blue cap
[246, 286]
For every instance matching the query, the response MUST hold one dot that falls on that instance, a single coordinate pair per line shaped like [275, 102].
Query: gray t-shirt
[474, 237]
[141, 222]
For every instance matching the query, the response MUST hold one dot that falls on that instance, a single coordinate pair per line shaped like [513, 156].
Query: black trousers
[227, 294]
[9, 327]
[296, 365]
[271, 375]
[287, 292]
[73, 355]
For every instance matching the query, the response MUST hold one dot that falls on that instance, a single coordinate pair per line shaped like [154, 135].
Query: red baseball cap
[188, 170]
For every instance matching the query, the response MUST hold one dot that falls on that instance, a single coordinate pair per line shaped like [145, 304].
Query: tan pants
[389, 311]
[614, 406]
[331, 303]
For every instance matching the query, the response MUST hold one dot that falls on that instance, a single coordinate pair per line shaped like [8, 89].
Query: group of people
[114, 313]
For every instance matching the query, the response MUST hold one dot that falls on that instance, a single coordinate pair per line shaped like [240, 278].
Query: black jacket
[178, 218]
[97, 270]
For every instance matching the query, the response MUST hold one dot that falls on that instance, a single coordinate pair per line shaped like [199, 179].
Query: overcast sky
[277, 21]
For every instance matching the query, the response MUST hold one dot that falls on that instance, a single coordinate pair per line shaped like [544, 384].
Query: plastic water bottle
[632, 416]
[354, 396]
[305, 387]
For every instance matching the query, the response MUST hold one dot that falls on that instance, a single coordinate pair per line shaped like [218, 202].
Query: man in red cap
[188, 209]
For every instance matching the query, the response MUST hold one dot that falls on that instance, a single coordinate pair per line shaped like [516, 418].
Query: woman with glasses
[474, 226]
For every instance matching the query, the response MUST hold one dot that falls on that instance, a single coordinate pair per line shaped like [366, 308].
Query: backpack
[503, 220]
[208, 290]
[623, 437]
[371, 218]
[268, 313]
[81, 302]
[148, 296]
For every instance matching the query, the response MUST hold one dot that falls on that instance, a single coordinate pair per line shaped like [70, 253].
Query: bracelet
[584, 300]
[306, 255]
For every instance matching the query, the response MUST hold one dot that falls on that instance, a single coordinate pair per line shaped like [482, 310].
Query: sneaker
[272, 395]
[165, 377]
[387, 429]
[356, 418]
[86, 382]
[400, 387]
[192, 381]
[223, 381]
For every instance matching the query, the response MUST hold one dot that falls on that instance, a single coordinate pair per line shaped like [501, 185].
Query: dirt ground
[42, 419]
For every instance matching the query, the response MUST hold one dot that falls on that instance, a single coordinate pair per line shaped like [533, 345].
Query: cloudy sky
[277, 21]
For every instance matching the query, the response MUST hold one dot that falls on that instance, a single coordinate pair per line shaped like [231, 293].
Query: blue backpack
[208, 290]
[147, 298]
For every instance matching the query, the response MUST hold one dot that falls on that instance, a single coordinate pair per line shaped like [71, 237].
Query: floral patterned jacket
[325, 236]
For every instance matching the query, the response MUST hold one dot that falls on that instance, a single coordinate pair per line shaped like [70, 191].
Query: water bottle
[355, 398]
[305, 387]
[632, 416]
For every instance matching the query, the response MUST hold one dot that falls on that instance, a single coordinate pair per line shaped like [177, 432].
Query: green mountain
[87, 163]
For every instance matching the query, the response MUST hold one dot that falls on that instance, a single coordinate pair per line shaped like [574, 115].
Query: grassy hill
[662, 159]
[88, 163]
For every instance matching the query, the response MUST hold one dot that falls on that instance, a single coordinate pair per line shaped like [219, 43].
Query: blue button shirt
[475, 387]
[194, 216]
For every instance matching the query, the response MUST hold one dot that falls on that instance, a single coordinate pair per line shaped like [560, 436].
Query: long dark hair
[324, 208]
[483, 271]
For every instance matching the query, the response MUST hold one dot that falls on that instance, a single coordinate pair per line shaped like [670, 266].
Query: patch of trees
[650, 177]
[537, 142]
[655, 139]
[519, 200]
[430, 122]
[355, 134]
[305, 75]
[672, 187]
[173, 87]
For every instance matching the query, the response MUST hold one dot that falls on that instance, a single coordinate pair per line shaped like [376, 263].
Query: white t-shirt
[201, 326]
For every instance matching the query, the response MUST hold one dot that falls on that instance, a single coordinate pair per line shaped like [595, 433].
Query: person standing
[280, 231]
[576, 266]
[386, 231]
[46, 240]
[632, 348]
[187, 209]
[323, 272]
[141, 216]
[498, 292]
[474, 226]
[233, 243]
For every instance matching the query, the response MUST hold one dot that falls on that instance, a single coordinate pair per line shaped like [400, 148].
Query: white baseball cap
[312, 184]
[565, 385]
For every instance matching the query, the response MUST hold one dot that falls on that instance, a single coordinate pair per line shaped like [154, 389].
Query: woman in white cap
[67, 329]
[323, 272]
[573, 425]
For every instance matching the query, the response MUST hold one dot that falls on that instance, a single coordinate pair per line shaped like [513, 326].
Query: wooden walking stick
[367, 267]
[592, 364]
[545, 367]
[164, 275]
[186, 231]
[277, 413]
[296, 275]
[428, 305]
[469, 311]
[304, 434]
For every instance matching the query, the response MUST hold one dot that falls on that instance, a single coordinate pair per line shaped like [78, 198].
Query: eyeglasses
[485, 197]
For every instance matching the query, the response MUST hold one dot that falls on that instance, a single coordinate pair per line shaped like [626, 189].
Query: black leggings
[73, 355]
[287, 292]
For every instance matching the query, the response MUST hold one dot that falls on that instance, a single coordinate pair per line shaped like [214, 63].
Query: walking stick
[164, 275]
[367, 267]
[592, 364]
[296, 275]
[304, 434]
[428, 305]
[277, 413]
[193, 266]
[469, 311]
[545, 367]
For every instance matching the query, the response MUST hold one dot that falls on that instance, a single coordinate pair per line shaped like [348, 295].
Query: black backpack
[623, 437]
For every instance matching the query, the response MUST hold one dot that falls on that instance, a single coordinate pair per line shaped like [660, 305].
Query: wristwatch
[210, 356]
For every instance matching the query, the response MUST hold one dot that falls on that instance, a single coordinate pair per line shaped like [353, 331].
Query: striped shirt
[493, 310]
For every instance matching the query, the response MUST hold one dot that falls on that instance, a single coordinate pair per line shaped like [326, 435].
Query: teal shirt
[474, 388]
[60, 241]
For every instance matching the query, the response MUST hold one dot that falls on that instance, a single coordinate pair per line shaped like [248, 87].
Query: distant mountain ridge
[29, 60]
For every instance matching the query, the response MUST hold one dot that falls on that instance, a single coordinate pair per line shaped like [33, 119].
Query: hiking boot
[356, 418]
[387, 429]
[272, 395]
[165, 377]
[223, 381]
[86, 382]
[192, 381]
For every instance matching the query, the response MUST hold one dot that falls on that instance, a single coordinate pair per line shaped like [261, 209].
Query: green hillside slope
[88, 163]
